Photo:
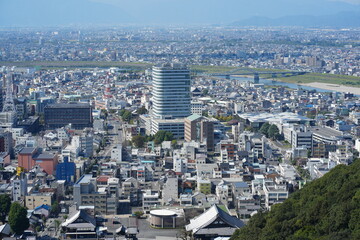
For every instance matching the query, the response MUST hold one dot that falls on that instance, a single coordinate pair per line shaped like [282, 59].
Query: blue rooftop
[44, 206]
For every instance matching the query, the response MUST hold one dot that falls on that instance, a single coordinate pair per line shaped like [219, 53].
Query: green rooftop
[194, 117]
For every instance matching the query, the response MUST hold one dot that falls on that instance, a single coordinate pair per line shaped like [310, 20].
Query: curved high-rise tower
[171, 91]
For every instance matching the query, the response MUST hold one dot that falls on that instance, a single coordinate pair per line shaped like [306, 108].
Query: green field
[223, 69]
[307, 78]
[76, 64]
[137, 66]
[210, 69]
[323, 78]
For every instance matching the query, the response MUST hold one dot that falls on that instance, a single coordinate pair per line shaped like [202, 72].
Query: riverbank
[316, 85]
[333, 87]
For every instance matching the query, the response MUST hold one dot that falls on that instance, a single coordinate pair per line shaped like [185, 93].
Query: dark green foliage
[327, 208]
[104, 113]
[304, 173]
[5, 203]
[55, 208]
[174, 143]
[270, 131]
[125, 115]
[138, 141]
[17, 218]
[162, 135]
[265, 128]
[149, 138]
[141, 111]
[273, 132]
[138, 214]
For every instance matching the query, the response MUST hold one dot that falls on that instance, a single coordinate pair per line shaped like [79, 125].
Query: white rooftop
[163, 212]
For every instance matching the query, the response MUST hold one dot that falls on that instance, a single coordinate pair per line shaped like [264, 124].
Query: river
[278, 83]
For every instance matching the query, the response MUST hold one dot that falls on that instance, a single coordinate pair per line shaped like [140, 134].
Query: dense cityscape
[153, 133]
[314, 50]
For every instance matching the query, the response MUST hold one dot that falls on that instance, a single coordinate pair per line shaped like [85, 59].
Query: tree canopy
[138, 141]
[125, 115]
[141, 110]
[55, 208]
[162, 135]
[17, 218]
[273, 132]
[270, 131]
[5, 203]
[327, 208]
[265, 128]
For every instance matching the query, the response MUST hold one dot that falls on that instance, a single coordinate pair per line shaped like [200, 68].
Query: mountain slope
[327, 208]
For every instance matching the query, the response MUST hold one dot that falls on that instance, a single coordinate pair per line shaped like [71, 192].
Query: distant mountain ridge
[40, 13]
[343, 19]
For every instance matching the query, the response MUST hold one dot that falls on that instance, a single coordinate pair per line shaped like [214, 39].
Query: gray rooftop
[68, 105]
[84, 179]
[171, 66]
[44, 156]
[273, 117]
[193, 117]
[326, 132]
[27, 150]
[240, 185]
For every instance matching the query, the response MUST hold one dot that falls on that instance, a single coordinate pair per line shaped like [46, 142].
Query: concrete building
[170, 193]
[6, 142]
[198, 128]
[150, 200]
[204, 185]
[19, 187]
[197, 107]
[66, 170]
[60, 115]
[87, 143]
[116, 153]
[163, 218]
[34, 200]
[171, 91]
[301, 139]
[87, 193]
[180, 165]
[326, 135]
[171, 99]
[29, 157]
[274, 193]
[175, 126]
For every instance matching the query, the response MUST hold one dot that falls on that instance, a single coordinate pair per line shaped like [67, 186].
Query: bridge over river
[256, 74]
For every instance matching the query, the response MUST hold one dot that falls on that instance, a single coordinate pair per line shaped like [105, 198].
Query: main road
[115, 135]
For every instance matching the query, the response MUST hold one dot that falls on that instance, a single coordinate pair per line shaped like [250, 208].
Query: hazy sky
[67, 12]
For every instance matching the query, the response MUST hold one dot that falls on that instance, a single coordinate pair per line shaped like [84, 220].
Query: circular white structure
[162, 213]
[163, 218]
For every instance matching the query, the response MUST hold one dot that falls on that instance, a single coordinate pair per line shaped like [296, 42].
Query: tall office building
[171, 91]
[59, 115]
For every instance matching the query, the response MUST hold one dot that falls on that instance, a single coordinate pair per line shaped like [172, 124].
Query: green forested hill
[327, 208]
